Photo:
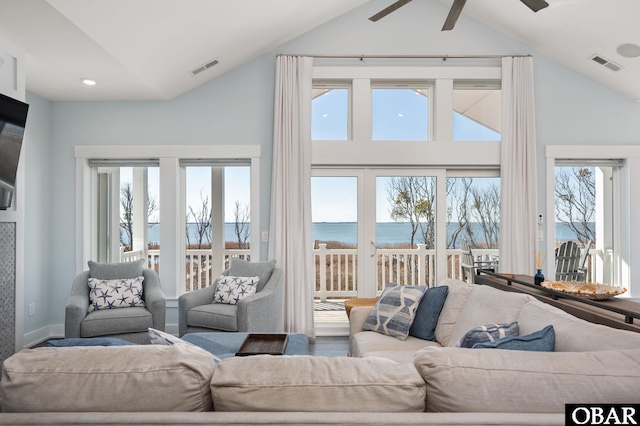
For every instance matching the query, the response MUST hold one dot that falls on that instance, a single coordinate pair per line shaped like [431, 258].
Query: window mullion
[361, 110]
[443, 105]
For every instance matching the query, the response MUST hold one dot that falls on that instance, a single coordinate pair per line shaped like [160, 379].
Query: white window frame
[409, 85]
[440, 151]
[172, 207]
[626, 248]
[337, 84]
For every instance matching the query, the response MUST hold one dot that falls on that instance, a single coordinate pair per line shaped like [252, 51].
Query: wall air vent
[606, 63]
[204, 67]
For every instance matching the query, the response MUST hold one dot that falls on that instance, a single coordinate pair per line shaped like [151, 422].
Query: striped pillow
[394, 312]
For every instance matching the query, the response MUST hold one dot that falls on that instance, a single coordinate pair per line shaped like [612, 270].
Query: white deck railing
[340, 267]
[199, 264]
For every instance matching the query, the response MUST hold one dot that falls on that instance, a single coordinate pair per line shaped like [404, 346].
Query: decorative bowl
[584, 289]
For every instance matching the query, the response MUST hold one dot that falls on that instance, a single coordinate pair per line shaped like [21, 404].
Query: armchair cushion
[109, 322]
[221, 315]
[114, 271]
[230, 289]
[112, 294]
[243, 268]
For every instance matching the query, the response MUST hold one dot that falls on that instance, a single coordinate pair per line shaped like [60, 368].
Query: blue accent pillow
[488, 333]
[92, 341]
[428, 312]
[539, 341]
[394, 312]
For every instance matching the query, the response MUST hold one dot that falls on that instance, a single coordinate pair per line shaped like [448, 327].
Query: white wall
[237, 108]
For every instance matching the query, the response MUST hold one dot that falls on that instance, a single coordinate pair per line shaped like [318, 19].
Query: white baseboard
[42, 334]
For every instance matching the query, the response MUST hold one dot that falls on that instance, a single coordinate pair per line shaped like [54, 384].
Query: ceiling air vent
[606, 63]
[204, 67]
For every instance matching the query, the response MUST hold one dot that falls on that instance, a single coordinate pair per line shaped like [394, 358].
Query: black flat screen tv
[13, 117]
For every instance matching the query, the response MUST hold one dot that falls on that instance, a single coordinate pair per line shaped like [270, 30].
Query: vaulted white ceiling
[146, 49]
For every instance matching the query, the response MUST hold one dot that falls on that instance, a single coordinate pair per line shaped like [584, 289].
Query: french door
[391, 220]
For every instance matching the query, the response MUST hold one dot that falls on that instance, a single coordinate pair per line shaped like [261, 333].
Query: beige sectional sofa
[591, 363]
[386, 381]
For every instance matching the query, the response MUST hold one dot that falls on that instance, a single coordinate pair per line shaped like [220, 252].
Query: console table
[615, 312]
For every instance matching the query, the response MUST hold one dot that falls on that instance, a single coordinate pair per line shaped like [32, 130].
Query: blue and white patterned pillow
[539, 341]
[488, 333]
[230, 289]
[111, 294]
[394, 312]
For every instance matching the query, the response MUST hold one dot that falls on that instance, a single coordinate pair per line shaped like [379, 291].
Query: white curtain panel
[518, 226]
[291, 238]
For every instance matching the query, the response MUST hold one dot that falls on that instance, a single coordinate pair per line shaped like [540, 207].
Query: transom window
[400, 112]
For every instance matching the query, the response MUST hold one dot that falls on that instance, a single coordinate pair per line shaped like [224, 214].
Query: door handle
[374, 248]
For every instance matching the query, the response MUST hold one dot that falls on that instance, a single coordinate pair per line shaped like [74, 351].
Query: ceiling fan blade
[535, 5]
[384, 12]
[454, 13]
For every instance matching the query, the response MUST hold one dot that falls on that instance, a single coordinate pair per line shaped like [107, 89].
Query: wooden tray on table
[263, 344]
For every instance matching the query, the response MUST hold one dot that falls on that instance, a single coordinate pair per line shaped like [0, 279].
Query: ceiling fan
[454, 13]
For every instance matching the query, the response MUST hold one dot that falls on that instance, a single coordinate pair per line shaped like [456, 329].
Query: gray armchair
[260, 312]
[125, 323]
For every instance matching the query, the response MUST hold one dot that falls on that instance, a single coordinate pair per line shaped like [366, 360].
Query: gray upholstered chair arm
[155, 299]
[263, 311]
[77, 305]
[192, 299]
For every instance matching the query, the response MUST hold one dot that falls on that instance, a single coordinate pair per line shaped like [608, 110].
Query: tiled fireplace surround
[7, 289]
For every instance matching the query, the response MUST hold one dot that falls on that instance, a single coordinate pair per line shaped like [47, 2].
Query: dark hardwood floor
[329, 346]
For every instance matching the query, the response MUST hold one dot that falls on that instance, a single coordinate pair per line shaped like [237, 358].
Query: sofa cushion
[466, 380]
[394, 312]
[457, 296]
[230, 289]
[487, 333]
[487, 305]
[134, 378]
[365, 343]
[570, 331]
[426, 319]
[540, 341]
[243, 268]
[113, 294]
[114, 271]
[308, 383]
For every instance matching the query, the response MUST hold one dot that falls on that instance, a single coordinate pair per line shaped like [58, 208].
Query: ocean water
[346, 232]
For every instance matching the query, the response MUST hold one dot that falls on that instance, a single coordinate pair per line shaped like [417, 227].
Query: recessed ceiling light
[629, 50]
[89, 82]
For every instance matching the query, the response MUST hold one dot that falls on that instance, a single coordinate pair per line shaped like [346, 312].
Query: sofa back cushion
[457, 296]
[307, 383]
[487, 305]
[469, 380]
[574, 334]
[107, 378]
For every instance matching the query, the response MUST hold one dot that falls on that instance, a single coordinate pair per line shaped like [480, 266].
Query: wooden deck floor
[331, 311]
